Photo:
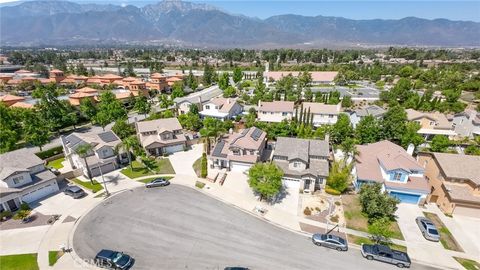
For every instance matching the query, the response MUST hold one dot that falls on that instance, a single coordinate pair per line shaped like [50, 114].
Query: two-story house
[183, 104]
[221, 108]
[454, 181]
[103, 156]
[304, 162]
[390, 165]
[431, 123]
[356, 115]
[23, 178]
[275, 111]
[323, 114]
[161, 136]
[467, 123]
[239, 151]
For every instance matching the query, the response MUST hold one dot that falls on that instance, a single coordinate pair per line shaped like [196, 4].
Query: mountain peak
[166, 6]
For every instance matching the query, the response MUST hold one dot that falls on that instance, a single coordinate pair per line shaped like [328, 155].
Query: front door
[12, 205]
[307, 184]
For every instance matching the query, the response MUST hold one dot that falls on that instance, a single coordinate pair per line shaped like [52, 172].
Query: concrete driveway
[182, 162]
[466, 230]
[180, 228]
[418, 247]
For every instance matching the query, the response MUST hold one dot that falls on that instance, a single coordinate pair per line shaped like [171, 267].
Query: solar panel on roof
[107, 136]
[256, 134]
[72, 139]
[217, 151]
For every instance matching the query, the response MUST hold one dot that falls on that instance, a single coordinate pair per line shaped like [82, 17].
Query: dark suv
[75, 192]
[113, 260]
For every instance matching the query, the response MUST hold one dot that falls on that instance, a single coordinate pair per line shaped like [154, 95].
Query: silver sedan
[428, 229]
[331, 241]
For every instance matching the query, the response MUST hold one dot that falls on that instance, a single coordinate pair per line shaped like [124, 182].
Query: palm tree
[212, 127]
[83, 151]
[349, 148]
[128, 144]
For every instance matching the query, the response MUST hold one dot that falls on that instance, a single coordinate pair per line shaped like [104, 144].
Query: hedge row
[50, 152]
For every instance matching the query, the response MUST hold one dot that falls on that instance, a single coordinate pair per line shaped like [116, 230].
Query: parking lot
[179, 228]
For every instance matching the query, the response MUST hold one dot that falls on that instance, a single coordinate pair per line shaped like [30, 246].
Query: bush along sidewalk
[204, 166]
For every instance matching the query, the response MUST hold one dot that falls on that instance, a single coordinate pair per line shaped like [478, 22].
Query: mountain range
[180, 23]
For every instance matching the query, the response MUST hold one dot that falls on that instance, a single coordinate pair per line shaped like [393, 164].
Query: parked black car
[158, 182]
[75, 192]
[385, 254]
[113, 260]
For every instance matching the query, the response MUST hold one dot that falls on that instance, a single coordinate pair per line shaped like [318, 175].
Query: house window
[207, 107]
[17, 179]
[330, 116]
[296, 164]
[284, 114]
[236, 152]
[397, 176]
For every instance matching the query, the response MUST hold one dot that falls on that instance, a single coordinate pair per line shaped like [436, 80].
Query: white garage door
[466, 211]
[106, 168]
[40, 193]
[239, 167]
[291, 183]
[174, 148]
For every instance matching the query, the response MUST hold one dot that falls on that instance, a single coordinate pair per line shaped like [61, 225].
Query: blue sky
[353, 9]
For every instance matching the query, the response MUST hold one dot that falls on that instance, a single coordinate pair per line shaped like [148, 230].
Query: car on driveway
[75, 192]
[428, 229]
[113, 259]
[331, 241]
[157, 182]
[385, 254]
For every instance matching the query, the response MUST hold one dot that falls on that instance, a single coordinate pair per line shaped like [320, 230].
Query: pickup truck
[385, 254]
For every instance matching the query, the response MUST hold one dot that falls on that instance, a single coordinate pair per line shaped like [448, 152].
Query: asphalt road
[179, 228]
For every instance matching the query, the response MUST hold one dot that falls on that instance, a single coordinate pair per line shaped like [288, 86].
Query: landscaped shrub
[317, 209]
[332, 191]
[334, 219]
[204, 171]
[199, 184]
[25, 206]
[5, 215]
[338, 203]
[21, 214]
[307, 211]
[50, 152]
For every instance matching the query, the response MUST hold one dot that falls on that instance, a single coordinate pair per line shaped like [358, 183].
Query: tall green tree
[88, 108]
[110, 108]
[229, 92]
[208, 74]
[35, 129]
[265, 179]
[342, 129]
[377, 203]
[393, 123]
[142, 105]
[237, 74]
[9, 128]
[339, 177]
[381, 231]
[129, 144]
[411, 136]
[368, 130]
[440, 143]
[223, 81]
[122, 129]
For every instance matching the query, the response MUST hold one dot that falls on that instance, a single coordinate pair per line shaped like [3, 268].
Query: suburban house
[103, 157]
[198, 98]
[373, 110]
[318, 77]
[467, 123]
[157, 82]
[275, 111]
[390, 165]
[323, 114]
[431, 123]
[454, 182]
[221, 108]
[239, 151]
[56, 75]
[161, 136]
[304, 162]
[9, 100]
[24, 178]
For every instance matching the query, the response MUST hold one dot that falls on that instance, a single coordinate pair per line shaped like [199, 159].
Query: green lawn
[53, 256]
[88, 185]
[147, 180]
[57, 163]
[356, 220]
[446, 238]
[19, 262]
[362, 240]
[468, 264]
[151, 167]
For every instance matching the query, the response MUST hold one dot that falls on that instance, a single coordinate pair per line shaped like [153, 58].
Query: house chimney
[410, 149]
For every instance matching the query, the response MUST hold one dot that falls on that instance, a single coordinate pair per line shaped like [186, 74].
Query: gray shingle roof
[300, 148]
[16, 161]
